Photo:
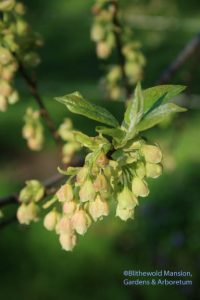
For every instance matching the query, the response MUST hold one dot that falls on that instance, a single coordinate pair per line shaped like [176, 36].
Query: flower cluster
[29, 197]
[17, 43]
[134, 63]
[33, 130]
[8, 67]
[103, 33]
[114, 171]
[102, 30]
[86, 196]
[71, 146]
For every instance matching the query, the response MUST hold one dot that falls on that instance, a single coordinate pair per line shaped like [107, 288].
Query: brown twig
[118, 32]
[189, 50]
[48, 183]
[14, 199]
[32, 85]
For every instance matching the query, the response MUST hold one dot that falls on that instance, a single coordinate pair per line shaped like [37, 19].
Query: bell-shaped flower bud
[7, 74]
[64, 226]
[65, 193]
[100, 183]
[5, 56]
[102, 160]
[13, 98]
[68, 150]
[67, 241]
[103, 50]
[22, 28]
[27, 213]
[51, 219]
[152, 154]
[3, 103]
[124, 214]
[28, 131]
[153, 170]
[35, 144]
[69, 208]
[126, 199]
[133, 70]
[82, 174]
[140, 169]
[115, 93]
[20, 8]
[65, 130]
[87, 191]
[81, 221]
[139, 187]
[33, 130]
[5, 88]
[97, 33]
[6, 5]
[33, 191]
[98, 208]
[114, 74]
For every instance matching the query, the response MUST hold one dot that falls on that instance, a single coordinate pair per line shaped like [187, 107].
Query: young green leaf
[115, 133]
[78, 105]
[160, 94]
[92, 143]
[134, 113]
[69, 170]
[158, 115]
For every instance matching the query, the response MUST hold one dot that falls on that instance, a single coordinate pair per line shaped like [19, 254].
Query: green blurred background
[165, 232]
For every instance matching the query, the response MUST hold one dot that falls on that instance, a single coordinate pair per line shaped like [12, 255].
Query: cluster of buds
[103, 33]
[8, 67]
[83, 201]
[71, 146]
[17, 43]
[102, 29]
[133, 68]
[29, 198]
[139, 160]
[33, 130]
[86, 196]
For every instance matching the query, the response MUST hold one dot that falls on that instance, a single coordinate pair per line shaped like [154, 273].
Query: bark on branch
[118, 31]
[189, 50]
[32, 85]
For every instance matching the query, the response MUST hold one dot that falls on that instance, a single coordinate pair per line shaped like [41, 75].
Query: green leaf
[117, 155]
[78, 105]
[69, 170]
[158, 115]
[93, 143]
[134, 113]
[85, 140]
[115, 133]
[160, 94]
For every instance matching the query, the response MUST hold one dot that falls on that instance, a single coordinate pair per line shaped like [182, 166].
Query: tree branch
[48, 183]
[119, 46]
[34, 92]
[14, 199]
[190, 49]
